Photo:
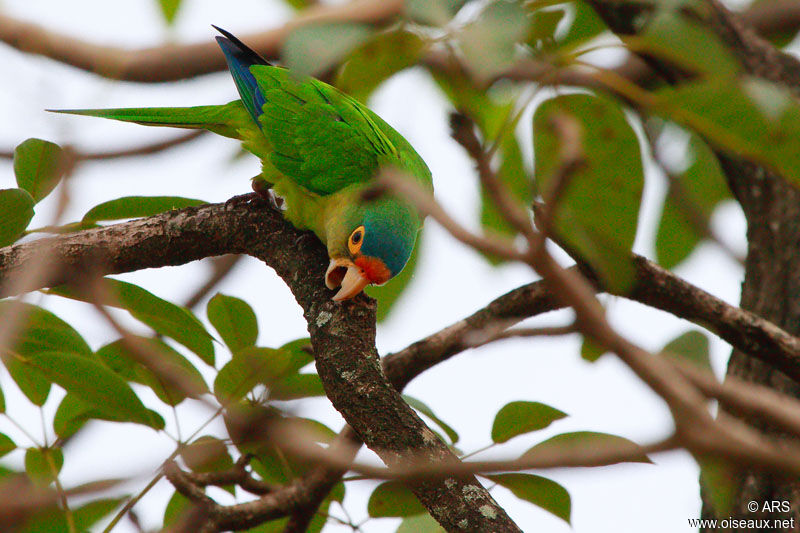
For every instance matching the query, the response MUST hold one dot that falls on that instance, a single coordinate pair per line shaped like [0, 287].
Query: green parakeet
[320, 150]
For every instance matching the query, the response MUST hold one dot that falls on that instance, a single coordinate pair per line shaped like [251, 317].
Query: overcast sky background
[453, 281]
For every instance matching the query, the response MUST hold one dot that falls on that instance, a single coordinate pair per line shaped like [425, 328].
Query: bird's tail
[227, 120]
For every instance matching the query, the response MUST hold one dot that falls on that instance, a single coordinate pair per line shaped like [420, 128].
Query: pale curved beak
[347, 276]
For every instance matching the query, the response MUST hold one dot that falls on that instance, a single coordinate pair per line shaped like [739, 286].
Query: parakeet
[320, 151]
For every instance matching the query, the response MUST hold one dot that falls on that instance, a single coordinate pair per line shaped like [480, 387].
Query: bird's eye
[355, 240]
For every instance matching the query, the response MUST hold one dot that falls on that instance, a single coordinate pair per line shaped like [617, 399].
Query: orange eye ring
[355, 240]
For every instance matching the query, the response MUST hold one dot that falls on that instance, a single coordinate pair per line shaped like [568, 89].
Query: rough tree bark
[771, 286]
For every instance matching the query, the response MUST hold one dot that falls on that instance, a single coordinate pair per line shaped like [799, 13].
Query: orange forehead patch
[374, 269]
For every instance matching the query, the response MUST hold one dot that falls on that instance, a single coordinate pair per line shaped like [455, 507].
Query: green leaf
[92, 383]
[687, 44]
[598, 209]
[177, 507]
[169, 8]
[137, 206]
[542, 28]
[586, 25]
[208, 454]
[17, 208]
[250, 367]
[586, 440]
[173, 378]
[488, 43]
[295, 386]
[380, 57]
[312, 49]
[695, 192]
[388, 294]
[591, 351]
[427, 411]
[38, 166]
[760, 120]
[72, 414]
[540, 491]
[392, 498]
[421, 523]
[164, 317]
[433, 12]
[720, 480]
[491, 114]
[299, 4]
[6, 444]
[2, 402]
[39, 331]
[518, 418]
[691, 347]
[43, 464]
[54, 520]
[234, 320]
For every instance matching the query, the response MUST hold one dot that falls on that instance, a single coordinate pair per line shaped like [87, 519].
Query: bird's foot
[241, 200]
[263, 189]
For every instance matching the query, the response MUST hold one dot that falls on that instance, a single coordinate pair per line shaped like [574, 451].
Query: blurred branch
[220, 268]
[171, 62]
[127, 152]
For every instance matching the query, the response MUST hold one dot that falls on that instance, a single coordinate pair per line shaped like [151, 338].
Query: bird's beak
[344, 274]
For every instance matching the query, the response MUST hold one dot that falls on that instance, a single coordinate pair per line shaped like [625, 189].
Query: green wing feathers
[227, 120]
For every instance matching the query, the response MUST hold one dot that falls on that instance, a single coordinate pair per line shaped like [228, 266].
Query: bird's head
[371, 245]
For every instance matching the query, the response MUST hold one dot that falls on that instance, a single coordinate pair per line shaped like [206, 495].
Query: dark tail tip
[242, 51]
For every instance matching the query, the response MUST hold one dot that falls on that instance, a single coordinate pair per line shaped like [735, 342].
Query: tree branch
[172, 62]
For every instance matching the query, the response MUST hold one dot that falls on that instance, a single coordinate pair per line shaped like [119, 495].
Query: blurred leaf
[488, 43]
[583, 440]
[376, 60]
[719, 480]
[513, 174]
[491, 114]
[295, 386]
[72, 414]
[691, 347]
[299, 4]
[43, 464]
[177, 507]
[17, 208]
[433, 12]
[388, 294]
[518, 418]
[6, 444]
[38, 166]
[170, 379]
[598, 208]
[2, 402]
[164, 317]
[169, 8]
[392, 498]
[542, 27]
[93, 383]
[275, 526]
[698, 190]
[427, 411]
[312, 49]
[39, 331]
[234, 320]
[421, 523]
[136, 207]
[586, 25]
[591, 351]
[690, 46]
[53, 519]
[250, 367]
[540, 491]
[760, 120]
[208, 454]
